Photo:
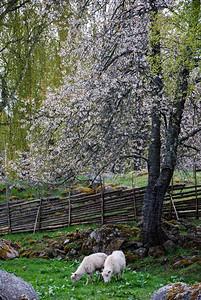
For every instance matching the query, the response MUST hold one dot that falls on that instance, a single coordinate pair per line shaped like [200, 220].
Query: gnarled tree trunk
[160, 174]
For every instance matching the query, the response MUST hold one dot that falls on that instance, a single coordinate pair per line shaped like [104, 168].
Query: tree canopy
[129, 95]
[119, 60]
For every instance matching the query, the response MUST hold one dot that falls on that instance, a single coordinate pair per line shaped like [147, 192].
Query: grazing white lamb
[89, 265]
[114, 265]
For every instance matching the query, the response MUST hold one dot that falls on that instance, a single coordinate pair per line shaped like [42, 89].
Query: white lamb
[114, 265]
[89, 265]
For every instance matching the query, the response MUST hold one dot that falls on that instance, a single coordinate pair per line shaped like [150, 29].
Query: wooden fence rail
[118, 206]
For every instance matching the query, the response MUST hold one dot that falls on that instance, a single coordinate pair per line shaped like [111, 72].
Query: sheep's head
[106, 275]
[75, 277]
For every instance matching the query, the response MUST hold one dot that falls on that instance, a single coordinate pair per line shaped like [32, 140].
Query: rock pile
[81, 242]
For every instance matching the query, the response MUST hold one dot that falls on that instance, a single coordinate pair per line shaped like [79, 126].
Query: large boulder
[178, 290]
[15, 288]
[8, 249]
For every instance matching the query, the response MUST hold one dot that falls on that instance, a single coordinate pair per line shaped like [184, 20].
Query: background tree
[29, 46]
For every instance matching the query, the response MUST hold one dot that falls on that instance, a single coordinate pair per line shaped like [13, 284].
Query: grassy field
[51, 278]
[136, 179]
[140, 178]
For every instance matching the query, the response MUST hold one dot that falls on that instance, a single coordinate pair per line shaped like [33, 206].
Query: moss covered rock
[107, 238]
[156, 251]
[179, 262]
[178, 290]
[8, 249]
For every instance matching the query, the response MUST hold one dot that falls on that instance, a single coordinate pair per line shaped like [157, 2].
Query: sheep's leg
[117, 276]
[91, 279]
[99, 276]
[88, 279]
[89, 276]
[122, 273]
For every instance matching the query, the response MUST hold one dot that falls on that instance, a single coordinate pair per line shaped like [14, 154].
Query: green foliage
[174, 43]
[29, 64]
[163, 267]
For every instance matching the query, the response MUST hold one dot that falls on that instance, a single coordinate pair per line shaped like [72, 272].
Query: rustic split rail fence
[118, 206]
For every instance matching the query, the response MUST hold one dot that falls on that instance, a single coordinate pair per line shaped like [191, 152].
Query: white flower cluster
[100, 118]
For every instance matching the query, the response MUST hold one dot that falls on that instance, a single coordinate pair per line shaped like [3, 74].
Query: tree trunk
[160, 176]
[152, 231]
[159, 180]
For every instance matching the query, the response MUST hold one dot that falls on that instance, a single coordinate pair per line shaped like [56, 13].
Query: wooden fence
[118, 206]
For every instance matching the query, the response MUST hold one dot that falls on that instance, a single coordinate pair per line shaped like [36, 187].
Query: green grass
[136, 179]
[51, 280]
[24, 192]
[140, 179]
[129, 180]
[162, 266]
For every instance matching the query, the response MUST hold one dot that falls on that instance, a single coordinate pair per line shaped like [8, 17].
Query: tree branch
[191, 147]
[11, 7]
[191, 134]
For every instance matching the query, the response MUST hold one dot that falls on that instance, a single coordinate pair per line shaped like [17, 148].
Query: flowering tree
[131, 74]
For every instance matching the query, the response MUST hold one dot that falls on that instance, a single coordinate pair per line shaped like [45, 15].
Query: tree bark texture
[160, 174]
[160, 178]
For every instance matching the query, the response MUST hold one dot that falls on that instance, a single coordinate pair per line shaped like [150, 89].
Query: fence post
[134, 200]
[102, 201]
[196, 193]
[69, 208]
[8, 208]
[38, 217]
[170, 194]
[170, 207]
[172, 204]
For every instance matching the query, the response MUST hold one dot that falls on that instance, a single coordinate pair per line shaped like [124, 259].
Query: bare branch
[191, 134]
[10, 42]
[11, 7]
